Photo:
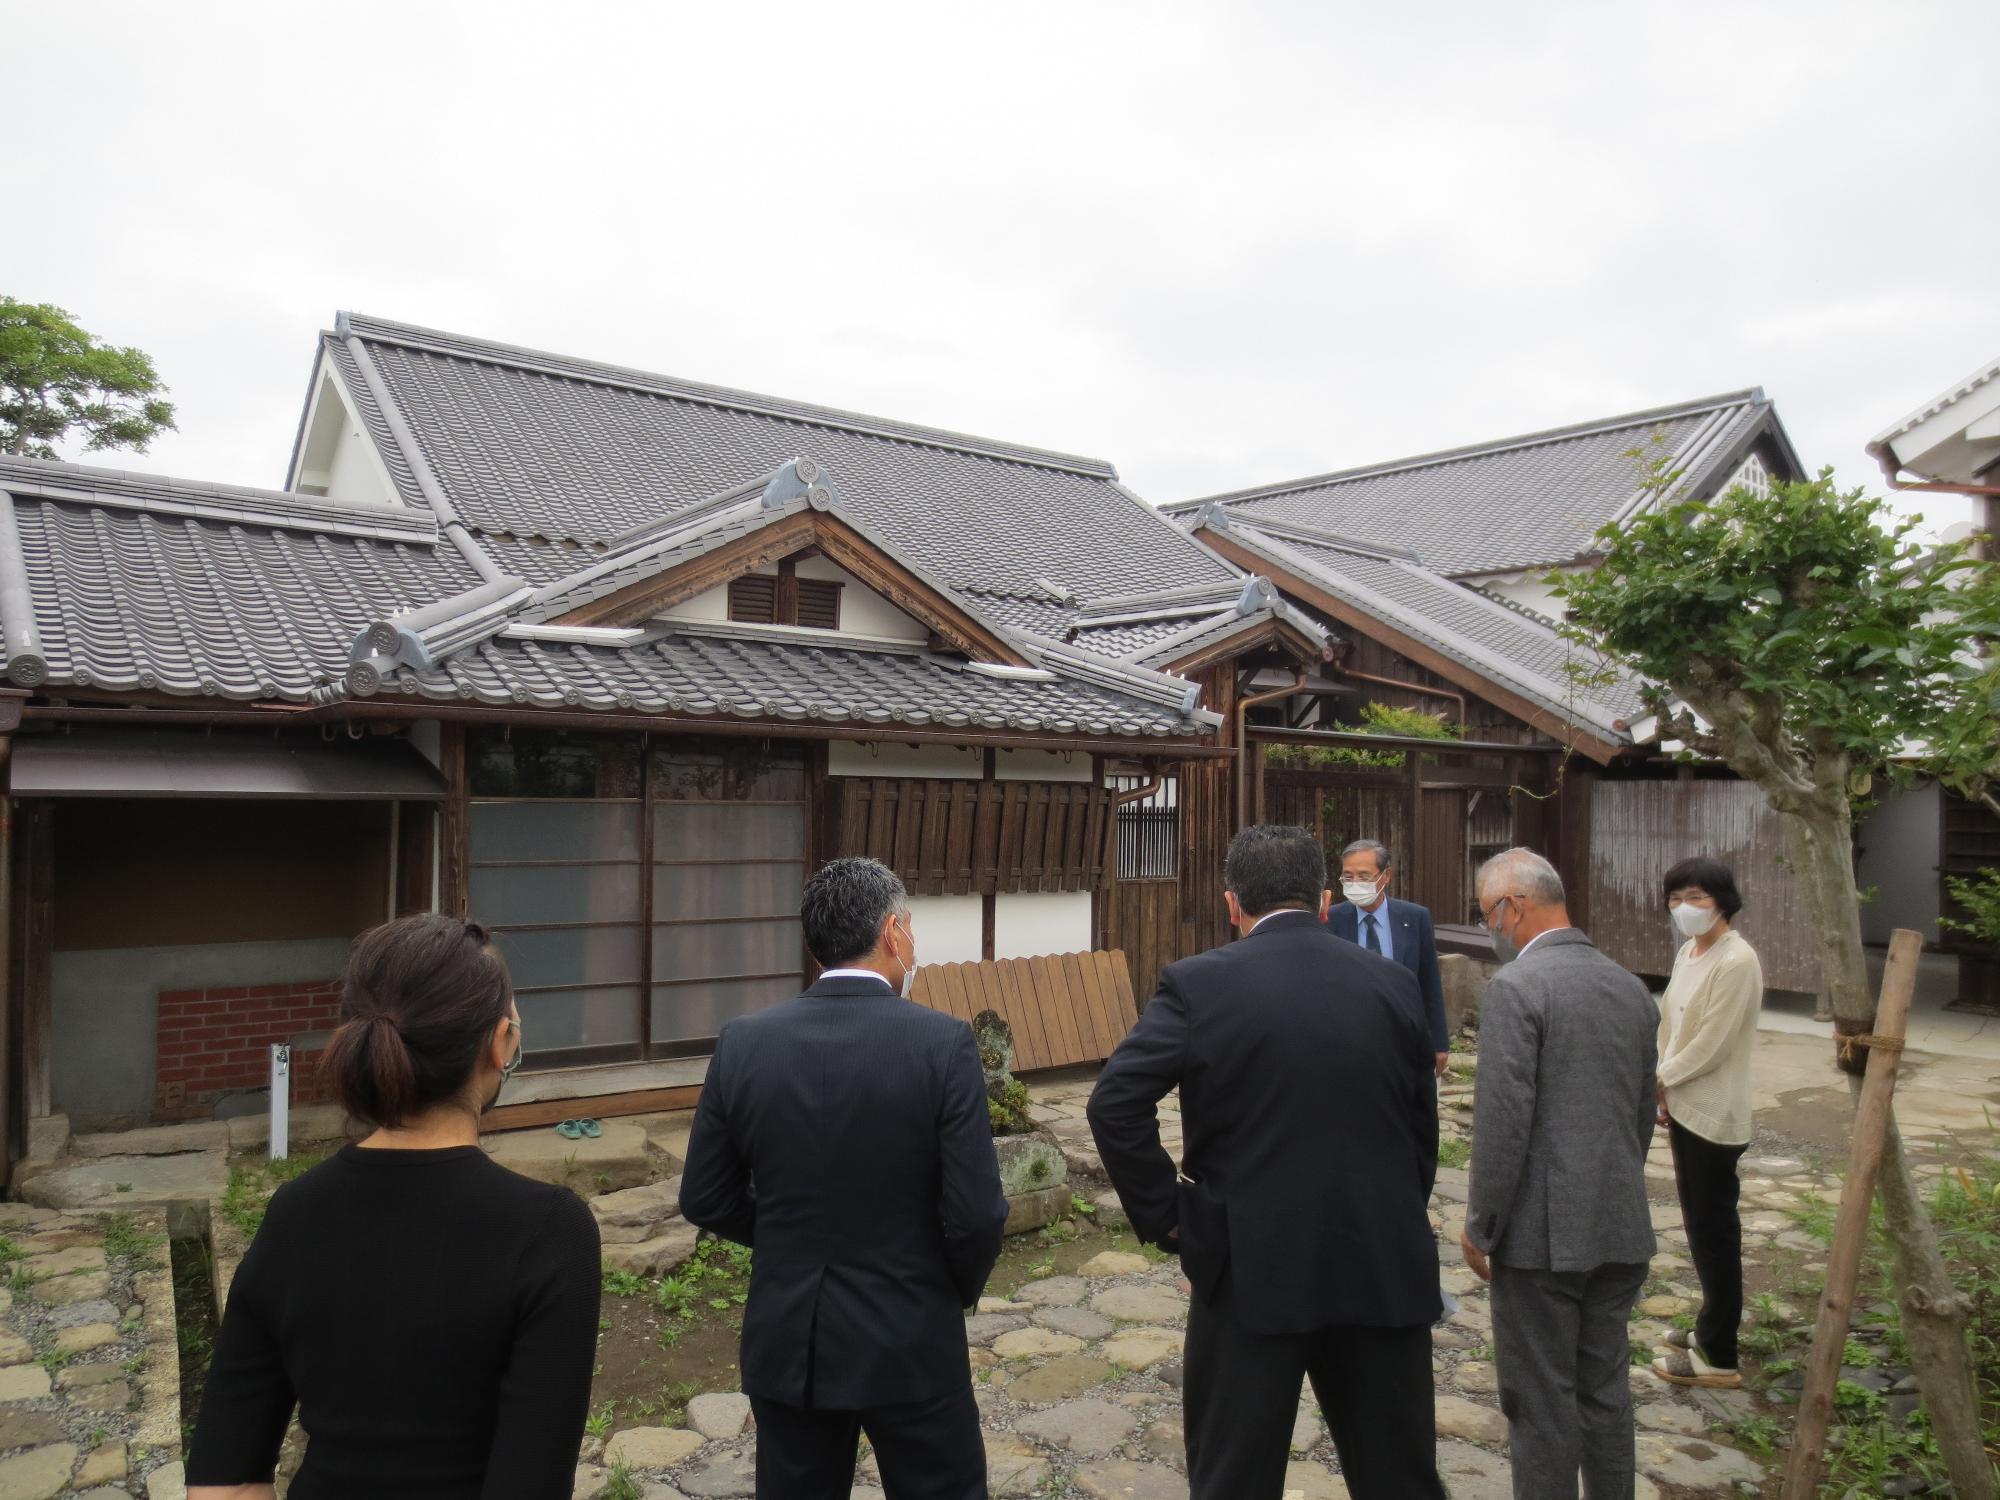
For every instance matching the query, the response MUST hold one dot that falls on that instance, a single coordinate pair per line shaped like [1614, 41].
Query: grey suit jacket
[1563, 1111]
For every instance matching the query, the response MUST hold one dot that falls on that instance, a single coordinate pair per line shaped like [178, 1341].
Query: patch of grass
[1814, 1216]
[251, 1184]
[1082, 1206]
[1642, 1352]
[9, 1251]
[598, 1423]
[619, 1283]
[621, 1485]
[1153, 1253]
[126, 1241]
[1454, 1151]
[1757, 1433]
[53, 1360]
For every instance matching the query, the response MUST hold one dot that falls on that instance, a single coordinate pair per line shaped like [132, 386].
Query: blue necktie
[1374, 943]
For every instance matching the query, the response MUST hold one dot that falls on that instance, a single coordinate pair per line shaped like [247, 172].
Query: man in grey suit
[1557, 1219]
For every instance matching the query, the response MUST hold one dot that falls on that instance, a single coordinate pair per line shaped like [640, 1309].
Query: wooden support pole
[1850, 1233]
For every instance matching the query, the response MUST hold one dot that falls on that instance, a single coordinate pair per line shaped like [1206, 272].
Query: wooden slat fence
[1064, 1008]
[956, 838]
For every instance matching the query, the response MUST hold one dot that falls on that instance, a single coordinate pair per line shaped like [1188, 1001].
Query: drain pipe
[1411, 687]
[1243, 707]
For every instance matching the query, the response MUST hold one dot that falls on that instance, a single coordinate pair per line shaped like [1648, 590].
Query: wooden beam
[1300, 646]
[849, 549]
[1552, 724]
[1850, 1230]
[591, 1107]
[454, 874]
[638, 602]
[13, 1113]
[35, 867]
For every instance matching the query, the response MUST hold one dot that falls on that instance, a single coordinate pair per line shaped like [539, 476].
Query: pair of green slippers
[580, 1130]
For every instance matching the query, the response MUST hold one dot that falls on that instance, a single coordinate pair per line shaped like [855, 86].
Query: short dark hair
[420, 999]
[844, 906]
[1383, 858]
[1710, 875]
[1270, 866]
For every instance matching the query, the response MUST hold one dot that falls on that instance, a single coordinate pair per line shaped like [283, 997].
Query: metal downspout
[1243, 707]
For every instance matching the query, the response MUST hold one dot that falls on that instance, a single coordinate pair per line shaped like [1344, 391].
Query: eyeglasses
[1486, 913]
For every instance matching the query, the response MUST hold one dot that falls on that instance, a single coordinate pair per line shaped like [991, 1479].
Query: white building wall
[948, 929]
[1529, 591]
[887, 758]
[1042, 765]
[1032, 923]
[707, 609]
[339, 458]
[1899, 859]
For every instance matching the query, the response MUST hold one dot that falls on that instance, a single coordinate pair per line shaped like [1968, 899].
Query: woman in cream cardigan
[1708, 1024]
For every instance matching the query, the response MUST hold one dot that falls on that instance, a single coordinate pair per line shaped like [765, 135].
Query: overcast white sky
[1218, 245]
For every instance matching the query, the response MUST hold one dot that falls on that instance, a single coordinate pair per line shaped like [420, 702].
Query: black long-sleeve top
[434, 1317]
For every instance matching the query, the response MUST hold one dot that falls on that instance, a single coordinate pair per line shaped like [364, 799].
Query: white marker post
[281, 1099]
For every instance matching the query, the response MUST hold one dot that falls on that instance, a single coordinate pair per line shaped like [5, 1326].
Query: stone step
[620, 1158]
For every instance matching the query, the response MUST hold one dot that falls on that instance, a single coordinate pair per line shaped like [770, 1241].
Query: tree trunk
[1822, 839]
[1934, 1322]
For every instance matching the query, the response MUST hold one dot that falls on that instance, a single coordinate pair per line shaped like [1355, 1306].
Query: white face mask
[1693, 921]
[909, 971]
[1360, 892]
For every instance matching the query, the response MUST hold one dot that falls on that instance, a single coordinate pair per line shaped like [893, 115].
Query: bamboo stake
[1850, 1234]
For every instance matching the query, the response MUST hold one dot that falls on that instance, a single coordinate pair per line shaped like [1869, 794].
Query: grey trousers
[1564, 1354]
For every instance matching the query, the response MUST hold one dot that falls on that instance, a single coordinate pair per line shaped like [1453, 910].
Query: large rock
[1311, 1481]
[1013, 1467]
[38, 1474]
[61, 1291]
[1115, 1263]
[1077, 1322]
[1145, 1303]
[132, 1181]
[63, 1262]
[23, 1383]
[1121, 1479]
[1694, 1463]
[1464, 981]
[1143, 1348]
[631, 1216]
[719, 1415]
[984, 1328]
[168, 1482]
[652, 1447]
[730, 1475]
[1063, 1377]
[1088, 1427]
[1053, 1291]
[1029, 1163]
[1460, 1418]
[154, 1140]
[1037, 1210]
[1035, 1343]
[617, 1159]
[658, 1256]
[27, 1429]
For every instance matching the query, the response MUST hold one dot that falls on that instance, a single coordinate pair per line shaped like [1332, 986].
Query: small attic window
[787, 599]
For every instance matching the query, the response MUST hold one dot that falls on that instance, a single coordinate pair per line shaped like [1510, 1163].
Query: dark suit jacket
[1309, 1108]
[845, 1136]
[1415, 939]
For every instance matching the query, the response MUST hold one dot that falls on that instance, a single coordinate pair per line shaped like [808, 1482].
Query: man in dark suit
[1300, 1212]
[845, 1136]
[1401, 930]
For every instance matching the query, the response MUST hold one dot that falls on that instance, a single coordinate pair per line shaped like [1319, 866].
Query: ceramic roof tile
[1523, 502]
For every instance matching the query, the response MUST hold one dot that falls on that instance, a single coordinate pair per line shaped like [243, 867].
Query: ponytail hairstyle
[418, 1004]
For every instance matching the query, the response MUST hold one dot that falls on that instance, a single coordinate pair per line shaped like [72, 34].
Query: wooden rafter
[1565, 732]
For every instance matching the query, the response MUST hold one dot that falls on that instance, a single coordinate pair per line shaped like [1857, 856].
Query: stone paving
[1078, 1375]
[89, 1364]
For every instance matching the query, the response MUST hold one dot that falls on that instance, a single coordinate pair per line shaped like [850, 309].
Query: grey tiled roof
[1169, 625]
[742, 672]
[1523, 502]
[143, 583]
[133, 582]
[1508, 646]
[540, 445]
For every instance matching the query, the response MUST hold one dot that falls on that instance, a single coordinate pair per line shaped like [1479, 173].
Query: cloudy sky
[1219, 245]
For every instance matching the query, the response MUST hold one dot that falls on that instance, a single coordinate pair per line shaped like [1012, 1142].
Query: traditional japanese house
[604, 659]
[1438, 572]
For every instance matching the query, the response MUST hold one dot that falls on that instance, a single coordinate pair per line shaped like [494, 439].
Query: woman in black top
[433, 1315]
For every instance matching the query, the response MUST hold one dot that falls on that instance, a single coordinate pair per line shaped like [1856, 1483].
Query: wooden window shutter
[819, 604]
[753, 599]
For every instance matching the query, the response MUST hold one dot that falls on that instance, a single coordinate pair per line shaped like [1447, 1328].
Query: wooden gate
[1143, 918]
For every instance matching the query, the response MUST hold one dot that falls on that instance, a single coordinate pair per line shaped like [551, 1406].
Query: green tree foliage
[1807, 639]
[56, 379]
[1376, 718]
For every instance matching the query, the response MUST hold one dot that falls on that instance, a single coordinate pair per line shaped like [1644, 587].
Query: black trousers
[1242, 1397]
[1705, 1176]
[927, 1450]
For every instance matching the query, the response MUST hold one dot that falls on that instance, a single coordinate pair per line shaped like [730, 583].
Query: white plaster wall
[1029, 924]
[947, 928]
[845, 758]
[1042, 765]
[862, 610]
[339, 457]
[1899, 858]
[708, 608]
[1529, 591]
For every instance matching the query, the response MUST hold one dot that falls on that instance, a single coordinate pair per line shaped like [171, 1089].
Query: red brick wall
[212, 1041]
